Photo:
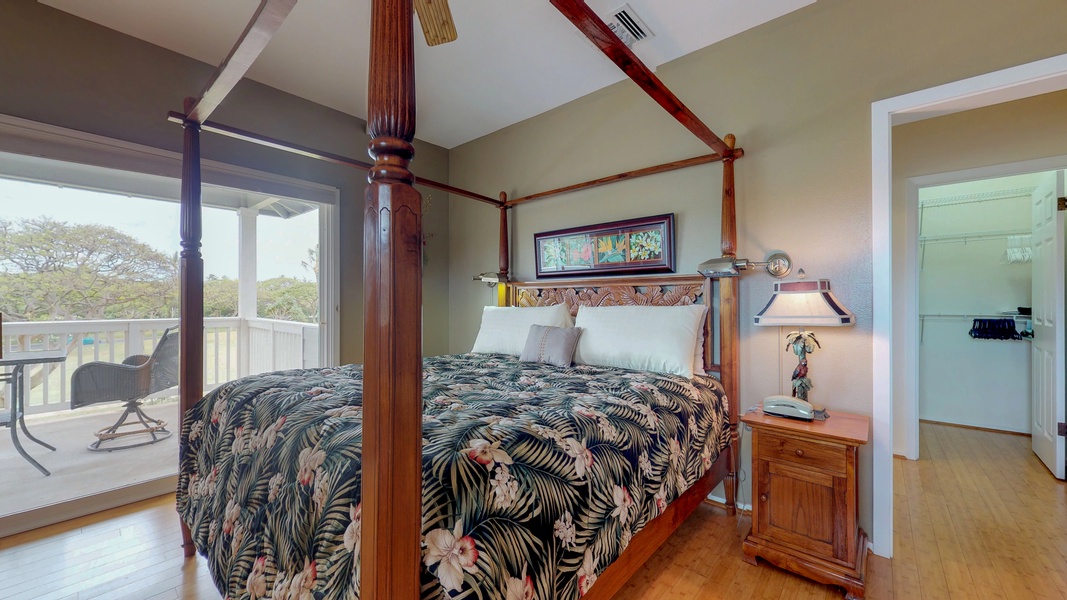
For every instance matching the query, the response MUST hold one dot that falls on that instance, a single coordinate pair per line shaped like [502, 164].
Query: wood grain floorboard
[977, 517]
[987, 519]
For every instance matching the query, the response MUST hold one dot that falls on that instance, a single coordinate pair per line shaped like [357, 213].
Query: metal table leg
[19, 448]
[21, 417]
[22, 423]
[18, 412]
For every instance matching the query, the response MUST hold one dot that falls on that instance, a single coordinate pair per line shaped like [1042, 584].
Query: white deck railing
[233, 347]
[276, 345]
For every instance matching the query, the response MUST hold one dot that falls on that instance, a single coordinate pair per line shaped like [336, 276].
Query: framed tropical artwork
[644, 245]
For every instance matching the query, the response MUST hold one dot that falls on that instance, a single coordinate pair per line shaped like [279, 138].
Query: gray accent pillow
[551, 345]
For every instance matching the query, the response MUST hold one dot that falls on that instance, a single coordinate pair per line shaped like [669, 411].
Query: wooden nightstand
[804, 512]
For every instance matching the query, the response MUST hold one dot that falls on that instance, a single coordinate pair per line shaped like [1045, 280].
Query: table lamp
[803, 304]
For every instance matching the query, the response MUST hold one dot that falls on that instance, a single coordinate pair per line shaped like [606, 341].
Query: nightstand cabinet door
[804, 508]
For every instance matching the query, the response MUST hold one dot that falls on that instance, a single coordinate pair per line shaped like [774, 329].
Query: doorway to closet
[975, 280]
[990, 273]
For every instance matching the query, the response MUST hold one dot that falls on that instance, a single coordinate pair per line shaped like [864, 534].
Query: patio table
[18, 361]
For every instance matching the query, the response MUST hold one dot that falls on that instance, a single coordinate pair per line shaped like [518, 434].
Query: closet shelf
[1011, 194]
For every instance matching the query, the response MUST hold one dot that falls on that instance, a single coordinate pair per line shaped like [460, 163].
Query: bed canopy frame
[392, 280]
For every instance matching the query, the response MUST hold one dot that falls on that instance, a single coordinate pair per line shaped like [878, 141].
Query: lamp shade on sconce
[804, 304]
[491, 278]
[719, 267]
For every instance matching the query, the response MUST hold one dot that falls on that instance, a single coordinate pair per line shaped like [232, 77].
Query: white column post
[246, 284]
[134, 339]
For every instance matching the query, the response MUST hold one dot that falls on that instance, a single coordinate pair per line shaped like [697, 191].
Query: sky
[281, 243]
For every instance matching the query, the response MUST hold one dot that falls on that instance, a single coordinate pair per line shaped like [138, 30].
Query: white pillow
[643, 338]
[505, 328]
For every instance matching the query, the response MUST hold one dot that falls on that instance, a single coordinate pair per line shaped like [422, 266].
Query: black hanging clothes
[995, 329]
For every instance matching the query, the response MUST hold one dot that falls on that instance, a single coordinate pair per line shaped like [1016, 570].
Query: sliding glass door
[89, 296]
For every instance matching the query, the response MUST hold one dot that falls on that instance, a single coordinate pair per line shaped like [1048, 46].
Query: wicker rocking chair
[131, 381]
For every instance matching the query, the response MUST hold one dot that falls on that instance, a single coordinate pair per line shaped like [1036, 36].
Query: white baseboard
[722, 500]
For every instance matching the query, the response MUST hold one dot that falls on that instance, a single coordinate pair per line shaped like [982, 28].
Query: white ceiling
[514, 59]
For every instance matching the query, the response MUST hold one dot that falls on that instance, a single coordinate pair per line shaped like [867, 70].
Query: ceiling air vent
[625, 23]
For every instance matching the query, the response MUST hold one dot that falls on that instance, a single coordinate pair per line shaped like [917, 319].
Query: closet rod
[923, 317]
[971, 316]
[976, 236]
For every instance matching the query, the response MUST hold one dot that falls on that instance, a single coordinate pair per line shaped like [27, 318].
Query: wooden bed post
[502, 298]
[191, 315]
[729, 324]
[505, 245]
[392, 293]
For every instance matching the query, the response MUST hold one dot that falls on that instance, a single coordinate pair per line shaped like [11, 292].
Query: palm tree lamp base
[802, 343]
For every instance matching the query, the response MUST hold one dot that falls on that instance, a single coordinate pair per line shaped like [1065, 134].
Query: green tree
[52, 270]
[220, 296]
[288, 299]
[56, 271]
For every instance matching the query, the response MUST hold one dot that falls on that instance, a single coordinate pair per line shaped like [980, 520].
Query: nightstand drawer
[830, 457]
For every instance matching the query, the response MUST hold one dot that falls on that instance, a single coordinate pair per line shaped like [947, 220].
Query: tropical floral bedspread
[535, 478]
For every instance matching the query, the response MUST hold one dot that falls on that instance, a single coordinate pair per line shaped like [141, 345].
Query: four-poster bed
[389, 530]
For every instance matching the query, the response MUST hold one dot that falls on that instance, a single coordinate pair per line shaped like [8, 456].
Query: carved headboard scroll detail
[647, 291]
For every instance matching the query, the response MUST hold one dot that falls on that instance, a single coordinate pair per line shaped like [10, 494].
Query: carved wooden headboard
[671, 290]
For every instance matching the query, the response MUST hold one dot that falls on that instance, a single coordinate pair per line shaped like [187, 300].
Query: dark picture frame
[642, 245]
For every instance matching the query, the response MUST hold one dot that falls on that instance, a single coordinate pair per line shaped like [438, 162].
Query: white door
[1047, 369]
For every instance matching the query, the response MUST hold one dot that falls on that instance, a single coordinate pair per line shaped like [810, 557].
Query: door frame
[330, 283]
[889, 340]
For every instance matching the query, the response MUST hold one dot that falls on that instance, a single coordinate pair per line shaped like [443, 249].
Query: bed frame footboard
[648, 540]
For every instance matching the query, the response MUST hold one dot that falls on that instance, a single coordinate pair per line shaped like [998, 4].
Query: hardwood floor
[702, 560]
[128, 553]
[978, 517]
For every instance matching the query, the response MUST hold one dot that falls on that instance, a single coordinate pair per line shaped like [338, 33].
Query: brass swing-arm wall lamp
[778, 264]
[490, 278]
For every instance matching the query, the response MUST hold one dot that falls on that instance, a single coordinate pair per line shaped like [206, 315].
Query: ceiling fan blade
[436, 20]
